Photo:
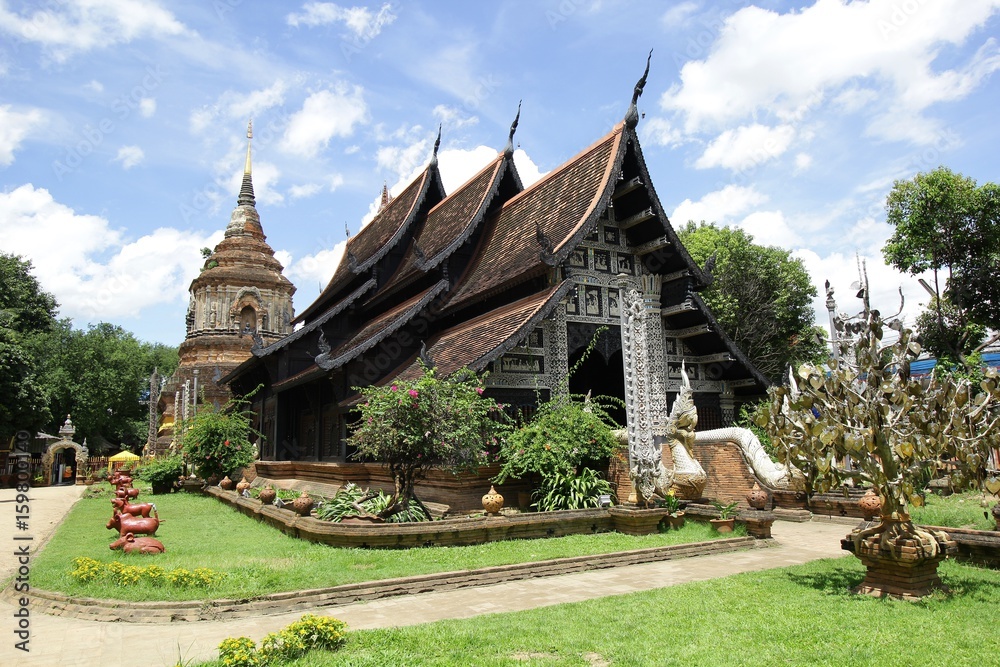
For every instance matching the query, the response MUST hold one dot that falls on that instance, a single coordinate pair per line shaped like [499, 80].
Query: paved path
[69, 642]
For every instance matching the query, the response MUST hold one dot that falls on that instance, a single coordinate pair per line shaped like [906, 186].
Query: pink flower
[226, 443]
[479, 390]
[394, 388]
[414, 393]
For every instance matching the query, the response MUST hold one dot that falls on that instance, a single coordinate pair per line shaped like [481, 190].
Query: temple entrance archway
[600, 377]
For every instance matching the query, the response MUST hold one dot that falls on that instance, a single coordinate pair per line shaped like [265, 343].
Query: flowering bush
[564, 434]
[217, 442]
[291, 642]
[430, 421]
[122, 574]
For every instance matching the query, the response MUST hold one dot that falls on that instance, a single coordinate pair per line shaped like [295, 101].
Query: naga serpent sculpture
[687, 477]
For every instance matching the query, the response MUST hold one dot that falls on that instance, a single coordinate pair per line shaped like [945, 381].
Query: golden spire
[246, 197]
[246, 169]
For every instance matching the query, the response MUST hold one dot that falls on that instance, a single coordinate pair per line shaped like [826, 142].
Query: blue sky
[122, 124]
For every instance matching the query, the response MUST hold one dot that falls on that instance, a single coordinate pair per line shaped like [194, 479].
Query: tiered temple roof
[466, 278]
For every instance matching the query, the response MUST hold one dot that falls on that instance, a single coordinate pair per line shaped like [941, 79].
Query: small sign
[604, 500]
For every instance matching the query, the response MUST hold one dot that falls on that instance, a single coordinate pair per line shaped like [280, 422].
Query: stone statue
[688, 476]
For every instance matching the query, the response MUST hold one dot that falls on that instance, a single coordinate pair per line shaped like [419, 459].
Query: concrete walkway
[69, 642]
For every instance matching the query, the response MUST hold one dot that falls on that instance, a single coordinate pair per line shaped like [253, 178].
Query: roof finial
[246, 197]
[509, 149]
[632, 115]
[386, 197]
[437, 145]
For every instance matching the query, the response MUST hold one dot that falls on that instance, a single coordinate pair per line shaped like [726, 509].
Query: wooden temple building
[501, 278]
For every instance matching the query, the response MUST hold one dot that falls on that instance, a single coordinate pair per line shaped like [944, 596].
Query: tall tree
[26, 314]
[944, 222]
[101, 377]
[760, 295]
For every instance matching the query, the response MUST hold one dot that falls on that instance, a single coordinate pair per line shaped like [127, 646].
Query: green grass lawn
[801, 615]
[199, 531]
[959, 510]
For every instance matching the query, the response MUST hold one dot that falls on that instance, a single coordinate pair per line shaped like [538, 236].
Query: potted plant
[675, 518]
[162, 474]
[727, 517]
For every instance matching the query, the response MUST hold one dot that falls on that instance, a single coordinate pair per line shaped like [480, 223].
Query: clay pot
[492, 501]
[757, 497]
[226, 483]
[674, 521]
[267, 495]
[996, 515]
[242, 486]
[870, 505]
[723, 525]
[303, 504]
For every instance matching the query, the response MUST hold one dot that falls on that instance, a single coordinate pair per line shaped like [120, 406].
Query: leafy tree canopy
[26, 314]
[945, 222]
[761, 296]
[430, 421]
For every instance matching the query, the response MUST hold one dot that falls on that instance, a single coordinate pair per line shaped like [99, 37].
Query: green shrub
[217, 442]
[163, 471]
[291, 642]
[576, 491]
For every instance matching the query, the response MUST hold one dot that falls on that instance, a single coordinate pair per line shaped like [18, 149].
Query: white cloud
[803, 161]
[452, 117]
[769, 228]
[304, 190]
[360, 21]
[94, 272]
[324, 115]
[147, 107]
[15, 126]
[756, 64]
[94, 86]
[242, 106]
[746, 147]
[129, 156]
[64, 29]
[315, 269]
[526, 168]
[679, 14]
[661, 131]
[718, 206]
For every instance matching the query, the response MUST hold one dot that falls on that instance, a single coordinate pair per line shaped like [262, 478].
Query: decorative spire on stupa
[386, 198]
[246, 197]
[632, 115]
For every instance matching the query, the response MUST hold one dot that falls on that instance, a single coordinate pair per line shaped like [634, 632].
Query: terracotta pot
[723, 525]
[996, 515]
[303, 504]
[226, 483]
[870, 505]
[492, 501]
[674, 521]
[757, 497]
[242, 486]
[267, 495]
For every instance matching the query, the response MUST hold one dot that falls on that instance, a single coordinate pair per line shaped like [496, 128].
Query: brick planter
[636, 521]
[903, 571]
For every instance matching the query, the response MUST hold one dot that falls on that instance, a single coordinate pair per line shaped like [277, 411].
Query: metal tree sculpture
[865, 408]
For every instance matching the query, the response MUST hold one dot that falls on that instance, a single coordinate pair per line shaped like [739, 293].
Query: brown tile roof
[380, 327]
[451, 222]
[483, 339]
[558, 205]
[377, 237]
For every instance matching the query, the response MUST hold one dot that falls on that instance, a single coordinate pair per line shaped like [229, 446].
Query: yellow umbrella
[121, 457]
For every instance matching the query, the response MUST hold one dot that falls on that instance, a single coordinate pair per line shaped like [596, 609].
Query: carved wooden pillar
[644, 454]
